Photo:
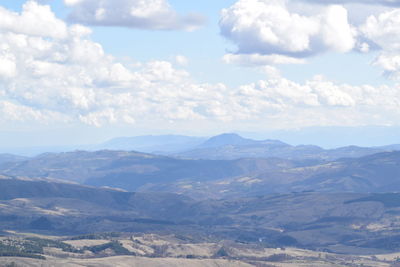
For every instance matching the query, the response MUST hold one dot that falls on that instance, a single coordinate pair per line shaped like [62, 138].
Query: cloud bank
[383, 33]
[142, 14]
[268, 33]
[261, 27]
[390, 3]
[57, 74]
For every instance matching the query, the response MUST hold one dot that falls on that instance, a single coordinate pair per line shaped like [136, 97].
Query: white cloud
[337, 34]
[367, 2]
[72, 2]
[70, 75]
[181, 60]
[271, 72]
[382, 32]
[285, 104]
[7, 67]
[144, 14]
[390, 63]
[270, 33]
[71, 79]
[252, 60]
[19, 113]
[269, 28]
[35, 19]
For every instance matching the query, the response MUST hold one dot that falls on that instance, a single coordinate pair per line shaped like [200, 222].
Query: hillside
[203, 179]
[135, 249]
[131, 170]
[226, 139]
[378, 173]
[337, 222]
[4, 158]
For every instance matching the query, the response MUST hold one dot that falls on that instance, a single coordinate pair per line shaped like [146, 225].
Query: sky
[83, 71]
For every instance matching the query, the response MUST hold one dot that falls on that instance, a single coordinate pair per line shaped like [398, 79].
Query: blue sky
[205, 48]
[130, 67]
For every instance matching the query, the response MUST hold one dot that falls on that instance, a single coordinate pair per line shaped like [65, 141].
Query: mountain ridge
[233, 146]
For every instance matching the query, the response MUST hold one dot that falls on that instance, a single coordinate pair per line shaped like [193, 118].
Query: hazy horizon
[326, 137]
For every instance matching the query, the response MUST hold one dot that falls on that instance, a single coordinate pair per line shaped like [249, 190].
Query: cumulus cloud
[143, 14]
[392, 3]
[252, 60]
[390, 63]
[7, 66]
[270, 33]
[318, 101]
[268, 28]
[63, 74]
[382, 32]
[35, 19]
[181, 60]
[46, 77]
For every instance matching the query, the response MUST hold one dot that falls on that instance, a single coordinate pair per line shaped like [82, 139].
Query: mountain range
[232, 146]
[376, 173]
[203, 179]
[224, 146]
[258, 193]
[152, 143]
[131, 170]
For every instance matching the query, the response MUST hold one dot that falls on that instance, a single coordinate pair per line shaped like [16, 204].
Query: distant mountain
[258, 150]
[336, 136]
[346, 223]
[131, 170]
[390, 147]
[232, 146]
[152, 143]
[161, 144]
[374, 173]
[226, 146]
[72, 208]
[11, 158]
[226, 139]
[202, 179]
[378, 173]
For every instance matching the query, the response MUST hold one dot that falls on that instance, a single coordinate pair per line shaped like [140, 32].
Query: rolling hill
[131, 170]
[203, 179]
[377, 173]
[353, 223]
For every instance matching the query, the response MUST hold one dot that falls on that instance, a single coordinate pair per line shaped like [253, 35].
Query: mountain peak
[227, 139]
